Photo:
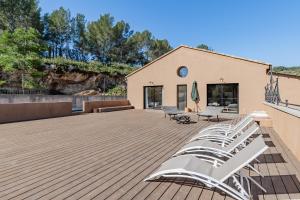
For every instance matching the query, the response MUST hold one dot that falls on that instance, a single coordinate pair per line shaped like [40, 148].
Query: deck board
[108, 155]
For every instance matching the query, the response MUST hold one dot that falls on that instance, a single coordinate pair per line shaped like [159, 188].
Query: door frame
[238, 92]
[144, 93]
[177, 96]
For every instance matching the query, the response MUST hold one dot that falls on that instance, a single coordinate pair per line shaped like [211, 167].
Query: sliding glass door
[223, 95]
[181, 97]
[153, 97]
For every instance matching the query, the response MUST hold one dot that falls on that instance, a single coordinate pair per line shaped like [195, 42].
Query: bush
[64, 65]
[117, 91]
[2, 82]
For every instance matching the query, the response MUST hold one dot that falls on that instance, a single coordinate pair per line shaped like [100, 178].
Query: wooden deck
[107, 156]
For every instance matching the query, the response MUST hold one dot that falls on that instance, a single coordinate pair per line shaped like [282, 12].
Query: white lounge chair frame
[224, 134]
[194, 168]
[199, 147]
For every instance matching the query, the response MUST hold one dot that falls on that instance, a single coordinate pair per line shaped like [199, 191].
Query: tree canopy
[204, 46]
[73, 37]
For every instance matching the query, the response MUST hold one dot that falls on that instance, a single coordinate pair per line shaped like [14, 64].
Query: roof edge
[286, 75]
[197, 49]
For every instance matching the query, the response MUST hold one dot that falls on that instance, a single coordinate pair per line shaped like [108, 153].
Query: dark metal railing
[272, 94]
[22, 91]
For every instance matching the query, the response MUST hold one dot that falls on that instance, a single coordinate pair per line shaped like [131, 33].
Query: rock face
[75, 82]
[68, 83]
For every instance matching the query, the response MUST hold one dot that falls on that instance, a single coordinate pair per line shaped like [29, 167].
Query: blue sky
[266, 30]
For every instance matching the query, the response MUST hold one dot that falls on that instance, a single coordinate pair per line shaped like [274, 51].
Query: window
[182, 71]
[225, 95]
[153, 97]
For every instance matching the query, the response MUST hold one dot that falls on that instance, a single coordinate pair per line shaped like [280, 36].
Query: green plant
[117, 91]
[2, 82]
[64, 65]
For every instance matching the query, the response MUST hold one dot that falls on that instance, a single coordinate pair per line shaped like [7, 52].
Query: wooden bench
[114, 108]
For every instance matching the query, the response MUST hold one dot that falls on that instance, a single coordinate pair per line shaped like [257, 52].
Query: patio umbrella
[195, 94]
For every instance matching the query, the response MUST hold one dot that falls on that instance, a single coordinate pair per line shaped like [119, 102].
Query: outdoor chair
[210, 111]
[183, 119]
[225, 125]
[220, 147]
[170, 110]
[225, 131]
[216, 173]
[231, 108]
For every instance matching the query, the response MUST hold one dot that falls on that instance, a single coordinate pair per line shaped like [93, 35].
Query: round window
[182, 71]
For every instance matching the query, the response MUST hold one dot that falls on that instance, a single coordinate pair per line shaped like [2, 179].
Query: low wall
[33, 98]
[88, 106]
[286, 122]
[14, 112]
[289, 87]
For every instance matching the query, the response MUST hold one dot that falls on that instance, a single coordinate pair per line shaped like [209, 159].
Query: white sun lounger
[215, 174]
[223, 132]
[225, 126]
[219, 147]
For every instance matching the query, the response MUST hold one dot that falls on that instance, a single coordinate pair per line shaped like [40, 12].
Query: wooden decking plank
[277, 182]
[100, 193]
[60, 157]
[78, 162]
[290, 185]
[194, 193]
[85, 178]
[155, 194]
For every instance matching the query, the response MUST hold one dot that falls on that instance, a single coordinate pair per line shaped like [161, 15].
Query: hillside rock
[75, 82]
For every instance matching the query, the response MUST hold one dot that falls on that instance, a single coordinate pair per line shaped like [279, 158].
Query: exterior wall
[31, 111]
[289, 88]
[88, 106]
[205, 68]
[287, 126]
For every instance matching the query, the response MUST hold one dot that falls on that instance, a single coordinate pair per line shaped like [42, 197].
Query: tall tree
[120, 34]
[20, 14]
[58, 32]
[99, 35]
[139, 44]
[158, 48]
[79, 40]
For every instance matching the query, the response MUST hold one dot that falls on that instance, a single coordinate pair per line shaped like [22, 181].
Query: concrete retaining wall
[88, 106]
[287, 124]
[30, 111]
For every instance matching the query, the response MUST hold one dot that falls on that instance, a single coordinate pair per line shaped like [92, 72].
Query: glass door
[181, 97]
[153, 97]
[225, 95]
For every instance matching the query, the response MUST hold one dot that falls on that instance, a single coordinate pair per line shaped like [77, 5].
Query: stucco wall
[205, 68]
[289, 88]
[88, 106]
[287, 126]
[30, 111]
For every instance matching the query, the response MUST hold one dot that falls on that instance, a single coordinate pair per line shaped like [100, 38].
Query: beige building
[222, 80]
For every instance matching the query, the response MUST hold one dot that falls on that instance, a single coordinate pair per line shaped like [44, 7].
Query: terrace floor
[107, 156]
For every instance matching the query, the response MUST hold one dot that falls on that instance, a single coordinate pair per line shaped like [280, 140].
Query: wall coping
[287, 110]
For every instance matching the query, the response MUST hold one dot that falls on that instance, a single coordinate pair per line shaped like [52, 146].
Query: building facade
[222, 80]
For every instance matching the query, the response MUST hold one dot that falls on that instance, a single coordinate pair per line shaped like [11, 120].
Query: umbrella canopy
[195, 94]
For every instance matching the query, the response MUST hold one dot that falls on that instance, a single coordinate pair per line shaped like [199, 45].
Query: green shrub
[2, 82]
[287, 70]
[63, 64]
[117, 91]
